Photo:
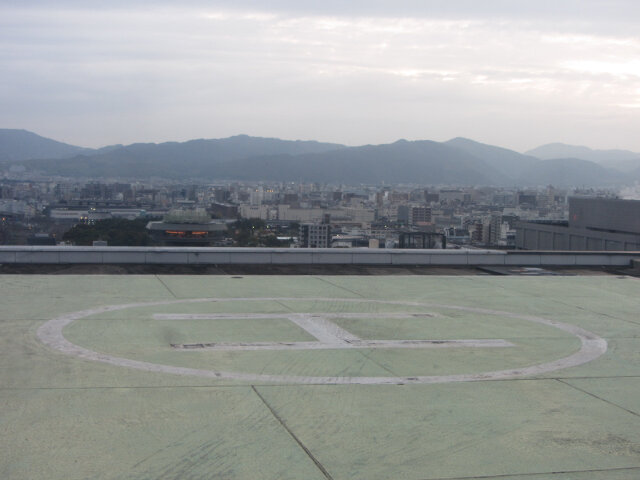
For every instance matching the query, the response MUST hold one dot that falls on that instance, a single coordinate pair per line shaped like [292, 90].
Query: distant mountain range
[18, 145]
[622, 160]
[456, 162]
[420, 162]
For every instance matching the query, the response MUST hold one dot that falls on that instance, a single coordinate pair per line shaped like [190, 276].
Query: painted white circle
[592, 347]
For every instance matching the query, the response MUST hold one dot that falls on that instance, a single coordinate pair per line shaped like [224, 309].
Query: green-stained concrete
[457, 430]
[64, 417]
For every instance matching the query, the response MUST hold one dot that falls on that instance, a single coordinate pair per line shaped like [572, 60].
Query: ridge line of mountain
[242, 157]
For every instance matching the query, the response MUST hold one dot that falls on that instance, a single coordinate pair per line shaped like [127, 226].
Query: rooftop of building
[208, 226]
[320, 376]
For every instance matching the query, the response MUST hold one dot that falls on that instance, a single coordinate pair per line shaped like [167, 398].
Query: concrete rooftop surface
[320, 377]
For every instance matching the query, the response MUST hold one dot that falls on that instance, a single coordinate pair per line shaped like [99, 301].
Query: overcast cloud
[511, 73]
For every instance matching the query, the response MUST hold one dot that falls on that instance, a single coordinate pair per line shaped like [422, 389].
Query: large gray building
[594, 224]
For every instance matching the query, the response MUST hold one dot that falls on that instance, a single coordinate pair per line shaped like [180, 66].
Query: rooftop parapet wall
[306, 256]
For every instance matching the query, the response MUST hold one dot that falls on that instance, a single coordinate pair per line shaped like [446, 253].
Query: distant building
[73, 216]
[431, 197]
[452, 196]
[290, 199]
[351, 241]
[457, 236]
[422, 240]
[478, 231]
[500, 232]
[419, 215]
[412, 215]
[223, 210]
[315, 236]
[41, 239]
[528, 198]
[594, 224]
[92, 215]
[187, 228]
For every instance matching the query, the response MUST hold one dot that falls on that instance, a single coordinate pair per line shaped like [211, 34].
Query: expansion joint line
[284, 305]
[537, 474]
[326, 474]
[340, 287]
[377, 363]
[166, 286]
[596, 396]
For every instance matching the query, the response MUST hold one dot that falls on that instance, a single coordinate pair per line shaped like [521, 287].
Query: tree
[245, 232]
[115, 231]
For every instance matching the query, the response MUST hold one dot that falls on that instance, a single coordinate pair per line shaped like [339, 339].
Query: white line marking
[328, 334]
[251, 316]
[592, 347]
[324, 330]
[315, 324]
[218, 316]
[253, 346]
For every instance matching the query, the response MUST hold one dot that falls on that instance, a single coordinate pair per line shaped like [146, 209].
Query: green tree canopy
[115, 231]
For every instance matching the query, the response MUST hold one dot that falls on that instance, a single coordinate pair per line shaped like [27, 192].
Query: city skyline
[518, 75]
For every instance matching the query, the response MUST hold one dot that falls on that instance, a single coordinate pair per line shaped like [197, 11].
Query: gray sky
[512, 73]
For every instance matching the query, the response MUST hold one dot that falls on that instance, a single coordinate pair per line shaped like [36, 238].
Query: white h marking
[328, 334]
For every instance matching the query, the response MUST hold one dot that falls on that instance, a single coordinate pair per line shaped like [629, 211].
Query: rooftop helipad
[303, 377]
